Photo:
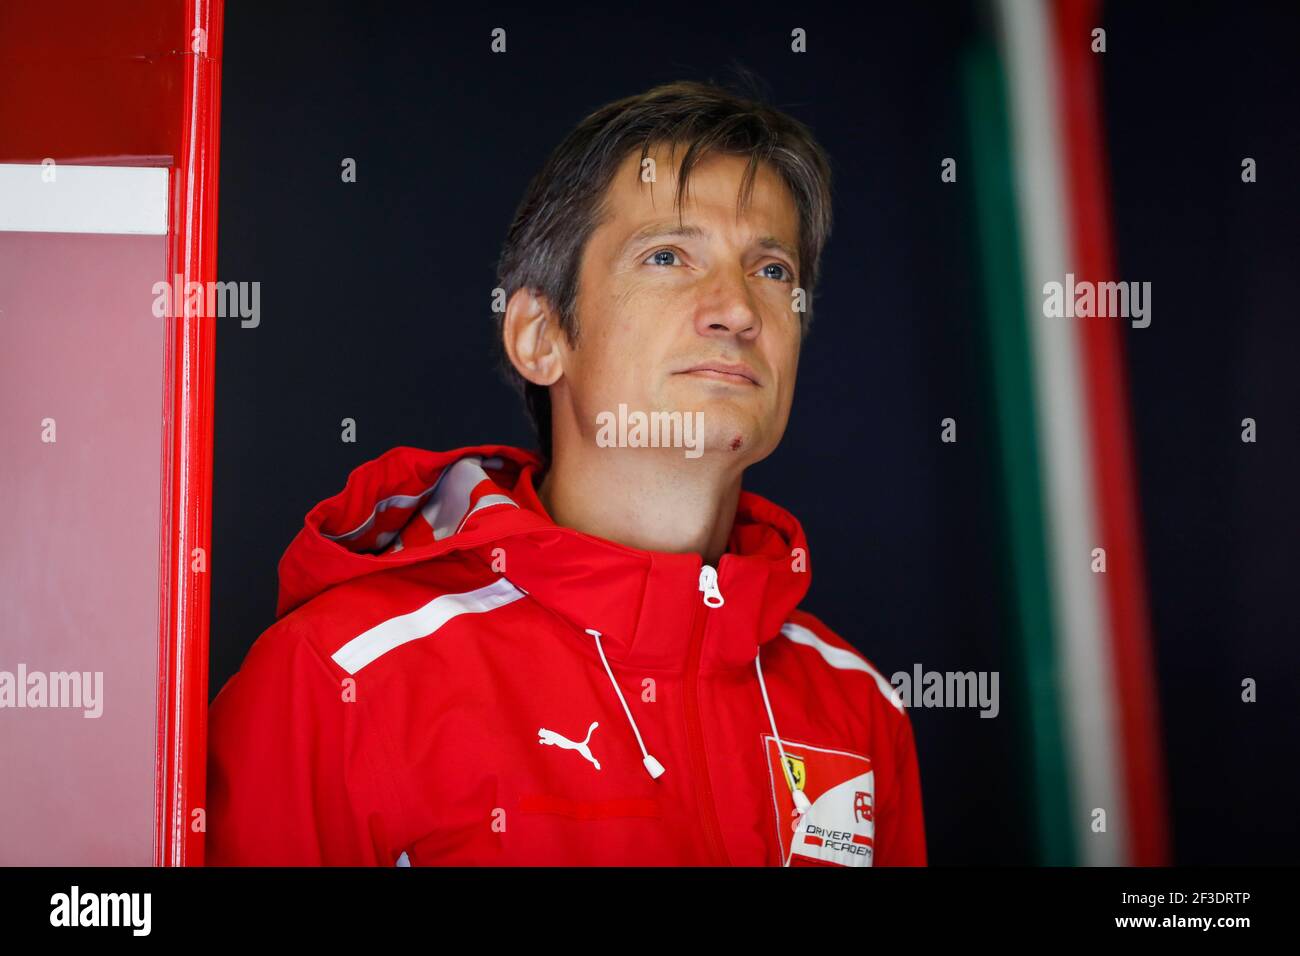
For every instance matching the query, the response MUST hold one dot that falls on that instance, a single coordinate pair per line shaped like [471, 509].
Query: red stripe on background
[181, 764]
[1114, 474]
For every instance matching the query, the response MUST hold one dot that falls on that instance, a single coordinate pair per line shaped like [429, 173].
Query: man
[592, 655]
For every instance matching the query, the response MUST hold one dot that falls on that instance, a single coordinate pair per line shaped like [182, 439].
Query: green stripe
[1013, 395]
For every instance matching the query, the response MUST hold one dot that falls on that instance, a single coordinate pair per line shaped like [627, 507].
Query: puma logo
[545, 736]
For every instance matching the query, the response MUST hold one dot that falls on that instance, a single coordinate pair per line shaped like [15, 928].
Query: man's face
[691, 319]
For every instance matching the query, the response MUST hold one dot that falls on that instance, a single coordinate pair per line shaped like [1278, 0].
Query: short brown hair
[565, 201]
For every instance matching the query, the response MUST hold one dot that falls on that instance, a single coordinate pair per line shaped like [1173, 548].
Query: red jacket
[455, 679]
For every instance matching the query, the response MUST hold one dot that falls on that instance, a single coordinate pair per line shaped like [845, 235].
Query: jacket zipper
[695, 734]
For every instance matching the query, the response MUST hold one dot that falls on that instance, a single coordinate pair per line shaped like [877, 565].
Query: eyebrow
[669, 229]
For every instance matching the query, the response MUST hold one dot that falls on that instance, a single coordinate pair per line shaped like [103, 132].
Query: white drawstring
[801, 800]
[653, 766]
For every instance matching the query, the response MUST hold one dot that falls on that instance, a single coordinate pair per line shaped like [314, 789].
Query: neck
[651, 499]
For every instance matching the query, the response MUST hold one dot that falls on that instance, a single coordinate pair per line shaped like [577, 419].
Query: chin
[732, 435]
[728, 416]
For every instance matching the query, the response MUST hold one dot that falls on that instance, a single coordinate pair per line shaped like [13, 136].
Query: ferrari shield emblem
[796, 771]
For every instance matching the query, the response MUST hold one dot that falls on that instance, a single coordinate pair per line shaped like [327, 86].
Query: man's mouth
[723, 372]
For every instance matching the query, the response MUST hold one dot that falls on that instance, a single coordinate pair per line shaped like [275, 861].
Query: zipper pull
[709, 585]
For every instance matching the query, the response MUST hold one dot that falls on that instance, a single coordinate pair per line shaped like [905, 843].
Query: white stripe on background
[1080, 602]
[129, 200]
[370, 645]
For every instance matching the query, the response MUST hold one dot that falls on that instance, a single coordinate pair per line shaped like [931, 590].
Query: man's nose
[728, 308]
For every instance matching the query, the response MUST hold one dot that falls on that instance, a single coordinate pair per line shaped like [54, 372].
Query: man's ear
[532, 337]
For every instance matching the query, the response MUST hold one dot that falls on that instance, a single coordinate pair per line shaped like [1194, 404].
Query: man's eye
[662, 252]
[784, 274]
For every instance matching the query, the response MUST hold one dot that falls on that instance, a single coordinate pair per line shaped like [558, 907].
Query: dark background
[375, 306]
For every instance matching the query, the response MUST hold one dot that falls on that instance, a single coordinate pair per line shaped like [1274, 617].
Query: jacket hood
[479, 503]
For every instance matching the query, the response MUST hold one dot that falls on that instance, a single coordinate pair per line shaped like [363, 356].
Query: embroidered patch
[839, 828]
